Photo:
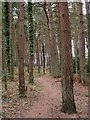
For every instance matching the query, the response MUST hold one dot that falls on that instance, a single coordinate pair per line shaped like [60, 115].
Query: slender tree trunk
[54, 54]
[48, 49]
[3, 57]
[88, 22]
[37, 53]
[43, 52]
[15, 36]
[11, 43]
[81, 41]
[3, 50]
[75, 37]
[68, 103]
[48, 41]
[4, 63]
[59, 41]
[7, 36]
[31, 42]
[6, 42]
[21, 50]
[41, 60]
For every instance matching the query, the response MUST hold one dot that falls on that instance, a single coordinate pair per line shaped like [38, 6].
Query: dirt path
[48, 104]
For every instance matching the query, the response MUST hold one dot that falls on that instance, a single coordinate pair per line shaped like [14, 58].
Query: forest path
[48, 104]
[49, 98]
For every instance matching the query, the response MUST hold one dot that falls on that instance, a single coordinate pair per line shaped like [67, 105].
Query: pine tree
[11, 42]
[21, 49]
[6, 27]
[54, 53]
[88, 25]
[68, 103]
[31, 42]
[81, 41]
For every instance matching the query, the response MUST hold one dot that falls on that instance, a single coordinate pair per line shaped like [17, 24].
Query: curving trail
[49, 102]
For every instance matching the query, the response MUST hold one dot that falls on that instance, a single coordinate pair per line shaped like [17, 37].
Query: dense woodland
[40, 41]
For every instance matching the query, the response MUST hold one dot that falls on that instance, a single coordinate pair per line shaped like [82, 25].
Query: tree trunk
[43, 52]
[54, 53]
[11, 42]
[68, 103]
[31, 42]
[6, 43]
[75, 36]
[4, 50]
[48, 39]
[88, 22]
[4, 62]
[21, 50]
[7, 36]
[37, 53]
[15, 36]
[81, 41]
[59, 41]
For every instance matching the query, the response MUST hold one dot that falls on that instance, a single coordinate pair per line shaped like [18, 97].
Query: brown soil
[47, 102]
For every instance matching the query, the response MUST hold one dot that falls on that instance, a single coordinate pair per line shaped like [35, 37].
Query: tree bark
[81, 41]
[54, 54]
[7, 36]
[48, 39]
[43, 53]
[11, 43]
[88, 25]
[37, 52]
[68, 103]
[59, 41]
[4, 51]
[31, 43]
[75, 36]
[21, 50]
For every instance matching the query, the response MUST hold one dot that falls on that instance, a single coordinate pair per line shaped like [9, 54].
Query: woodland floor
[43, 100]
